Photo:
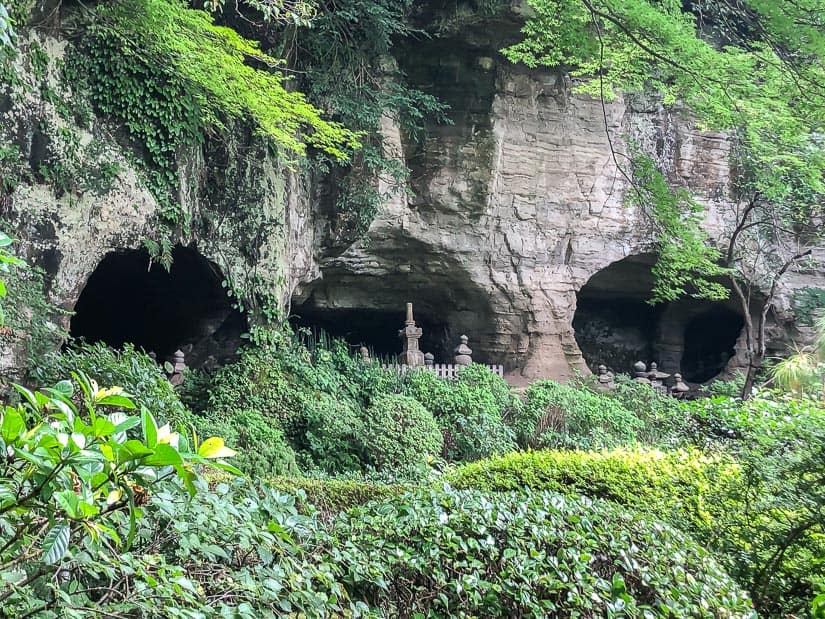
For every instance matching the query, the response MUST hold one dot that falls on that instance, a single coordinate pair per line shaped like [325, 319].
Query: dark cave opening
[710, 340]
[616, 326]
[376, 329]
[129, 298]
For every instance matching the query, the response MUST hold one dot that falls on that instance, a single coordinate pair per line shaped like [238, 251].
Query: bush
[679, 487]
[329, 497]
[773, 537]
[77, 469]
[471, 411]
[334, 428]
[556, 415]
[465, 553]
[400, 433]
[134, 371]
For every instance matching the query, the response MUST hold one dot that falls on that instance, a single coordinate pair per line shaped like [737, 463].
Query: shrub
[329, 497]
[131, 369]
[333, 430]
[679, 487]
[465, 553]
[75, 472]
[263, 450]
[556, 415]
[399, 433]
[471, 411]
[773, 538]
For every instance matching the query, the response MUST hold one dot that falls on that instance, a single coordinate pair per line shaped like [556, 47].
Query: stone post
[429, 359]
[463, 353]
[365, 354]
[410, 334]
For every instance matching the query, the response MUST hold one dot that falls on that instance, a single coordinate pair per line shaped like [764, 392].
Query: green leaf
[13, 425]
[116, 400]
[69, 502]
[56, 543]
[150, 427]
[214, 448]
[65, 388]
[164, 455]
[132, 450]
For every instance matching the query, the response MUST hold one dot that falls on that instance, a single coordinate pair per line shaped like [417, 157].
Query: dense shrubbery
[399, 433]
[744, 480]
[683, 488]
[465, 553]
[471, 411]
[556, 415]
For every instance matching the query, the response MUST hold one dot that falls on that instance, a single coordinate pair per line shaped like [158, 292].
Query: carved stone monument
[463, 353]
[605, 377]
[410, 334]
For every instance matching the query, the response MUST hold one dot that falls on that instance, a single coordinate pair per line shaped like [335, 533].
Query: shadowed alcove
[367, 306]
[616, 326]
[129, 298]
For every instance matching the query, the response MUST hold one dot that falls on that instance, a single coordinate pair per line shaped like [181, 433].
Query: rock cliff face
[515, 231]
[516, 206]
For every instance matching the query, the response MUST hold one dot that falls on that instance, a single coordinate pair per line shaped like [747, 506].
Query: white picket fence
[446, 371]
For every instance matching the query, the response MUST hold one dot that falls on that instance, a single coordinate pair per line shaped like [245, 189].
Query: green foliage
[556, 415]
[345, 50]
[686, 262]
[333, 429]
[7, 263]
[133, 370]
[26, 316]
[329, 497]
[168, 73]
[465, 553]
[400, 433]
[808, 303]
[772, 538]
[470, 410]
[679, 487]
[75, 472]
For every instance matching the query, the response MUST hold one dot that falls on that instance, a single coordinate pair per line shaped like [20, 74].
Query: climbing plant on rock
[169, 73]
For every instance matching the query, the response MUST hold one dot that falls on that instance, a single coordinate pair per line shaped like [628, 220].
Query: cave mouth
[614, 325]
[377, 329]
[130, 298]
[710, 341]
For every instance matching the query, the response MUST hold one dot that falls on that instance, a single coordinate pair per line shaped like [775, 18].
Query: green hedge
[467, 553]
[329, 497]
[680, 487]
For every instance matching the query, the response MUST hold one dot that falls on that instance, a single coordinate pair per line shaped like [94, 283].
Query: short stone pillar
[680, 387]
[411, 355]
[365, 354]
[463, 353]
[657, 378]
[640, 374]
[605, 377]
[429, 359]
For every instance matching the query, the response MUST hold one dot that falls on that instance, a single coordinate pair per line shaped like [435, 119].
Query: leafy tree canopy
[230, 75]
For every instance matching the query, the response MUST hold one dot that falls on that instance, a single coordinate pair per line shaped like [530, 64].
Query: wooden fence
[446, 371]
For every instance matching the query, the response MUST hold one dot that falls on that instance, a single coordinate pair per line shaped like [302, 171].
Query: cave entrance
[710, 342]
[614, 325]
[128, 298]
[375, 329]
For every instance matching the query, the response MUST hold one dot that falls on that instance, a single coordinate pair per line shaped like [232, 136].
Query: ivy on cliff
[169, 74]
[342, 49]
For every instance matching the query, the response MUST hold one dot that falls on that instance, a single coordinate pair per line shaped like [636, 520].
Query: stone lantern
[411, 355]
